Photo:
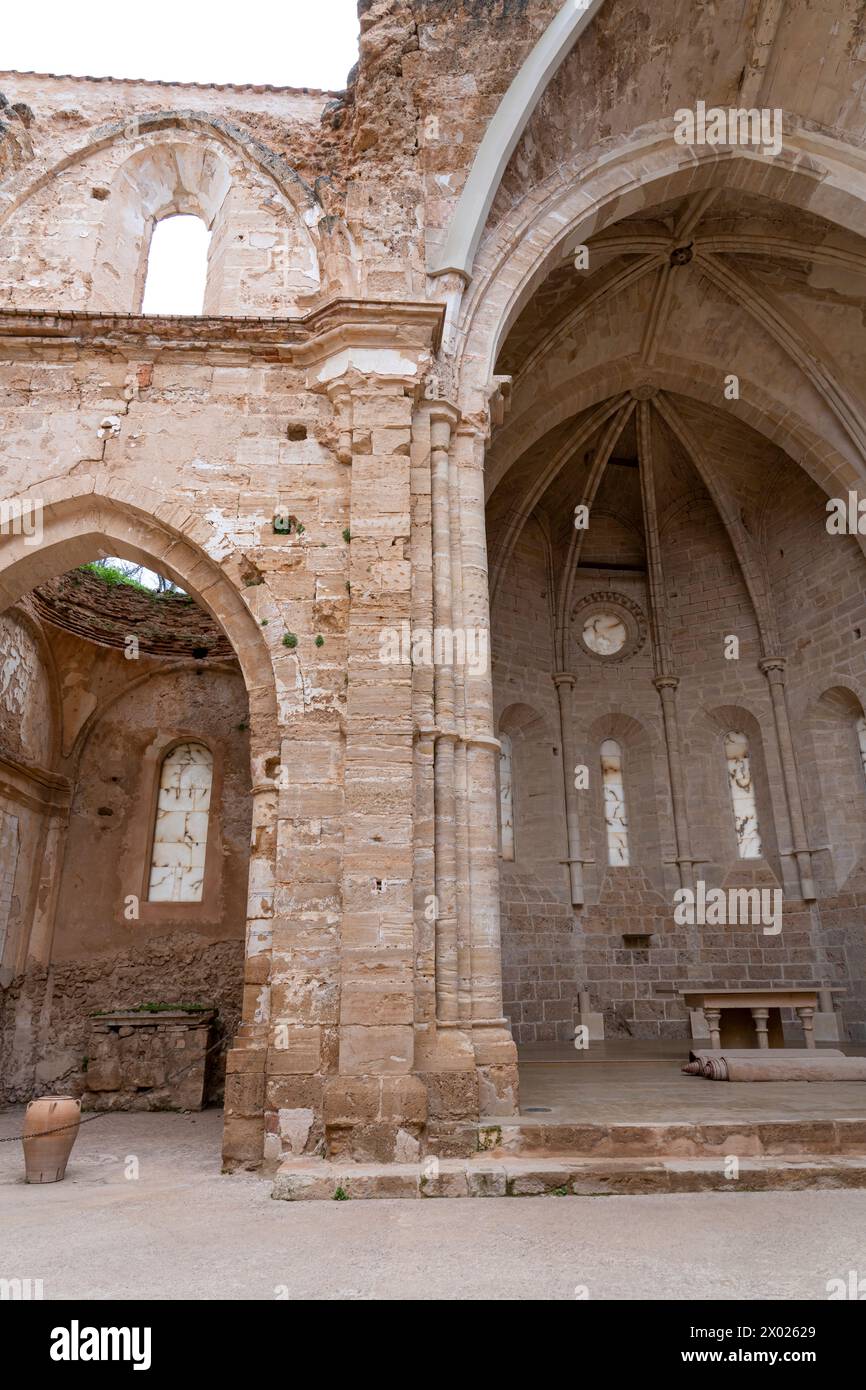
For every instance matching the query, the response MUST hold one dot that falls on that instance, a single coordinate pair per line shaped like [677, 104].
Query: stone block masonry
[412, 400]
[148, 1060]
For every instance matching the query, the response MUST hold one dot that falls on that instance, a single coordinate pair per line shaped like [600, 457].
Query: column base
[445, 1061]
[374, 1118]
[459, 1077]
[496, 1060]
[244, 1122]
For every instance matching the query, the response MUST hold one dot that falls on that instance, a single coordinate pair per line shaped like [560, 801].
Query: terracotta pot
[55, 1119]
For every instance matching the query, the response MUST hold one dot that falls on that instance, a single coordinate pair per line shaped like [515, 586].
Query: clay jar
[55, 1120]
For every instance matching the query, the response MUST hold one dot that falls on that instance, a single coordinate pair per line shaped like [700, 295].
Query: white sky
[286, 43]
[176, 267]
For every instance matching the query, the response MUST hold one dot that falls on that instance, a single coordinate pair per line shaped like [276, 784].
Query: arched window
[506, 798]
[615, 819]
[861, 739]
[8, 866]
[176, 266]
[180, 834]
[742, 788]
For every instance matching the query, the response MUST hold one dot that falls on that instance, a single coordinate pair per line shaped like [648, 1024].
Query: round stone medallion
[610, 626]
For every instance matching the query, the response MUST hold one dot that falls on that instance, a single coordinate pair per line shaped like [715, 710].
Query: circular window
[604, 633]
[610, 627]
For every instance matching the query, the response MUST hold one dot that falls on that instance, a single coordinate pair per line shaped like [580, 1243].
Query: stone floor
[180, 1230]
[637, 1082]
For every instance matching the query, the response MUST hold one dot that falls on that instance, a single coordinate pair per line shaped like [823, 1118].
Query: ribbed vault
[745, 291]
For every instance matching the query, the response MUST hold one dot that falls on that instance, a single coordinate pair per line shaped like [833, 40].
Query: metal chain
[100, 1115]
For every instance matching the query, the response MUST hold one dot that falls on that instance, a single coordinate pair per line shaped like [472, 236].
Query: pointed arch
[265, 247]
[504, 131]
[80, 517]
[815, 171]
[236, 140]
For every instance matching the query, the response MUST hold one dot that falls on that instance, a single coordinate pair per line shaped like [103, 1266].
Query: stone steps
[712, 1139]
[323, 1180]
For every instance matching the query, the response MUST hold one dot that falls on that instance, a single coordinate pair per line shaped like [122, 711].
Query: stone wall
[334, 382]
[110, 947]
[550, 950]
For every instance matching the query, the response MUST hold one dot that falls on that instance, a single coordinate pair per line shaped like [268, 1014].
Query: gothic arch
[780, 423]
[236, 140]
[814, 171]
[35, 631]
[82, 516]
[104, 708]
[126, 178]
[504, 131]
[708, 793]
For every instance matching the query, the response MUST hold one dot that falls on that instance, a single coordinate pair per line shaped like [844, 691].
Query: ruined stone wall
[110, 946]
[45, 1014]
[321, 388]
[217, 452]
[309, 194]
[29, 746]
[25, 693]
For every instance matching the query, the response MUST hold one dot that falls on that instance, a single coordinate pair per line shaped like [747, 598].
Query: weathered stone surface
[158, 1061]
[317, 1180]
[383, 420]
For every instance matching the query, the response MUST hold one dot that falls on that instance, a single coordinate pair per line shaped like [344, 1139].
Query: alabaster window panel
[604, 633]
[609, 626]
[506, 797]
[181, 829]
[9, 844]
[615, 816]
[744, 805]
[861, 740]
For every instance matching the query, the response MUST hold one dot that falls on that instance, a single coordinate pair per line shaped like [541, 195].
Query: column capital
[773, 668]
[339, 393]
[563, 678]
[668, 682]
[444, 412]
[493, 745]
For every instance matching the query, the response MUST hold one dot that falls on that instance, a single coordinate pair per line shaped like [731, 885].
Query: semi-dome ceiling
[165, 624]
[684, 312]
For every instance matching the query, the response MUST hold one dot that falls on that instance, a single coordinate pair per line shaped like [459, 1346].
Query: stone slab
[319, 1180]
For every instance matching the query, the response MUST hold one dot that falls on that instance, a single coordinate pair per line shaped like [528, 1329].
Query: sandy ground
[180, 1229]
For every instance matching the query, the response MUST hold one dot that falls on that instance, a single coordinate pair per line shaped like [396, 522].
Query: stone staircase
[529, 1159]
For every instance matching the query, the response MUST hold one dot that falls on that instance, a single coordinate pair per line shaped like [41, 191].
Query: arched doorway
[656, 505]
[118, 899]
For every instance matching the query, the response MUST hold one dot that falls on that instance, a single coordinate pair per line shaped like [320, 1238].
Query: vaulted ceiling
[654, 358]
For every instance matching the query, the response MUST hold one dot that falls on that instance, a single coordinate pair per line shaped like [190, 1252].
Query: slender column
[564, 682]
[482, 746]
[714, 1023]
[442, 419]
[762, 1021]
[667, 688]
[495, 1053]
[464, 653]
[425, 735]
[807, 1018]
[666, 681]
[774, 669]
